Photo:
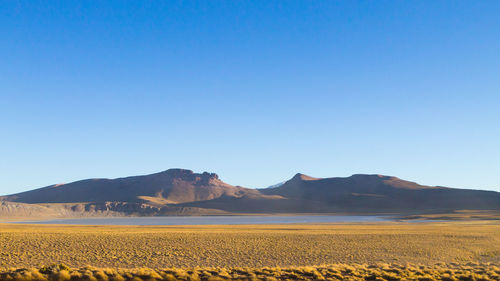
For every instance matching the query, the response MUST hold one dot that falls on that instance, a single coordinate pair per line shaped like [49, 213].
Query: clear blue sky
[255, 91]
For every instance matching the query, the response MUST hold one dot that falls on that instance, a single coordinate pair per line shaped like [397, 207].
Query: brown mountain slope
[377, 193]
[168, 187]
[178, 191]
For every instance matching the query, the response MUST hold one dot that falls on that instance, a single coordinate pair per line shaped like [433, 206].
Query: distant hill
[183, 192]
[167, 187]
[372, 193]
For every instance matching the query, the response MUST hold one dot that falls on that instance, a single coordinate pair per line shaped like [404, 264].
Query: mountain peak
[302, 177]
[177, 172]
[373, 176]
[387, 180]
[185, 173]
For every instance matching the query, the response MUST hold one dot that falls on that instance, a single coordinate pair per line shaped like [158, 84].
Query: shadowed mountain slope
[368, 193]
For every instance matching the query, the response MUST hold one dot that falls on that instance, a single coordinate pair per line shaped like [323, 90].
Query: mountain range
[183, 192]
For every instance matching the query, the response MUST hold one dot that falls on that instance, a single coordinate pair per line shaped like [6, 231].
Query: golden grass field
[379, 272]
[248, 245]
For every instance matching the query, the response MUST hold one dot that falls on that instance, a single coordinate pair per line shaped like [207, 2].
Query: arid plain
[248, 245]
[448, 244]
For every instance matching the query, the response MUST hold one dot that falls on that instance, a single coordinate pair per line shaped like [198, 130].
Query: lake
[205, 220]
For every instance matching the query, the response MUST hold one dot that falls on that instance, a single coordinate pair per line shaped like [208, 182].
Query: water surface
[205, 220]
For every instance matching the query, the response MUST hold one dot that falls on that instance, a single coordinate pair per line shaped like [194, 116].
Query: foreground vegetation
[379, 272]
[26, 246]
